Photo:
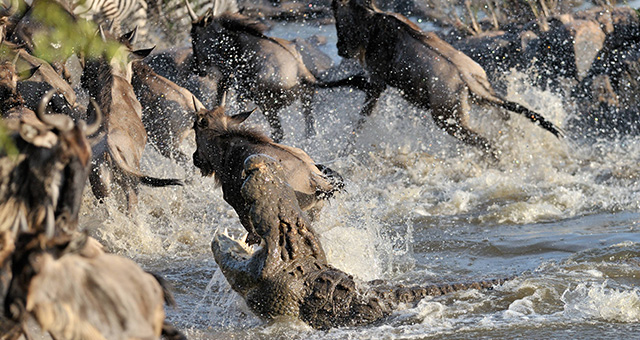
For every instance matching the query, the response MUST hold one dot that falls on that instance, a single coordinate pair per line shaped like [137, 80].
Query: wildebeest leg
[307, 101]
[131, 192]
[271, 112]
[100, 180]
[452, 118]
[373, 94]
[223, 87]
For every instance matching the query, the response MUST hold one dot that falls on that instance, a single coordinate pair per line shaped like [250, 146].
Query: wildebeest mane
[99, 82]
[251, 134]
[239, 22]
[236, 22]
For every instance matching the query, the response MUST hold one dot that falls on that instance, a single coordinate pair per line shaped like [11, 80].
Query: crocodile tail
[437, 290]
[402, 294]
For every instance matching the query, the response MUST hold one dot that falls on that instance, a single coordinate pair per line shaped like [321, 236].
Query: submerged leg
[276, 127]
[307, 101]
[452, 118]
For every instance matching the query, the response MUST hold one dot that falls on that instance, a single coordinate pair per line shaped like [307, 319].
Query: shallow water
[559, 216]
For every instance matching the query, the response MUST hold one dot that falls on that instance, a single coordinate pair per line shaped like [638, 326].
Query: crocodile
[288, 274]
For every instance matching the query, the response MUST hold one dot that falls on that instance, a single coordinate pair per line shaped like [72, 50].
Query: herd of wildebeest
[58, 281]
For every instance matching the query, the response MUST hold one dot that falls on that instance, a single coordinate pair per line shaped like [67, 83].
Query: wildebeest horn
[102, 35]
[223, 101]
[224, 6]
[15, 59]
[195, 103]
[97, 121]
[9, 11]
[192, 13]
[60, 122]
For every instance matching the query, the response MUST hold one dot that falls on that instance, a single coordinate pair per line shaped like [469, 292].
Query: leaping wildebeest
[430, 73]
[223, 145]
[267, 70]
[117, 156]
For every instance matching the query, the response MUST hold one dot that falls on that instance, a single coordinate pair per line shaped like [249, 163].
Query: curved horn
[15, 59]
[223, 101]
[60, 122]
[97, 122]
[195, 103]
[11, 10]
[102, 35]
[192, 13]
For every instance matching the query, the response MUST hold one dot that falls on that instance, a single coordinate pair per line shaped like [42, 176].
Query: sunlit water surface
[560, 216]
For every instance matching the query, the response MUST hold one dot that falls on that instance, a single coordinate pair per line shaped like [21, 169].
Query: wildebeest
[267, 70]
[74, 290]
[44, 79]
[167, 110]
[223, 145]
[430, 73]
[116, 157]
[42, 178]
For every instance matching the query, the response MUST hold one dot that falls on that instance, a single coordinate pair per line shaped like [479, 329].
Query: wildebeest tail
[166, 289]
[358, 81]
[533, 116]
[160, 182]
[144, 179]
[334, 178]
[171, 333]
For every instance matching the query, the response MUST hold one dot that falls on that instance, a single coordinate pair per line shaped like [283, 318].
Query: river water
[560, 216]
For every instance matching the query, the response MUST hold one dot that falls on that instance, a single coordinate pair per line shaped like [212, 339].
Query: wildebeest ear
[130, 37]
[141, 54]
[241, 117]
[43, 139]
[26, 74]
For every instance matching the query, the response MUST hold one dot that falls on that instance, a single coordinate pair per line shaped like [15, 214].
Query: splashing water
[560, 216]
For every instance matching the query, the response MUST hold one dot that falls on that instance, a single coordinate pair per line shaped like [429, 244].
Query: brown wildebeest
[42, 180]
[167, 110]
[430, 73]
[74, 290]
[267, 70]
[44, 79]
[117, 156]
[223, 145]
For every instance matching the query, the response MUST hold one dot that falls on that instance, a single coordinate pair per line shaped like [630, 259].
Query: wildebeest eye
[202, 123]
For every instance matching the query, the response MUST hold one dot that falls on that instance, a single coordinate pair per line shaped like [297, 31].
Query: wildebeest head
[43, 184]
[214, 35]
[352, 30]
[211, 127]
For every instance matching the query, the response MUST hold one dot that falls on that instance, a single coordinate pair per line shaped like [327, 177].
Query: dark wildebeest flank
[222, 147]
[430, 73]
[267, 70]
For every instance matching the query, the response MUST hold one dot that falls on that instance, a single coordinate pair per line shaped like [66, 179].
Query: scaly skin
[289, 275]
